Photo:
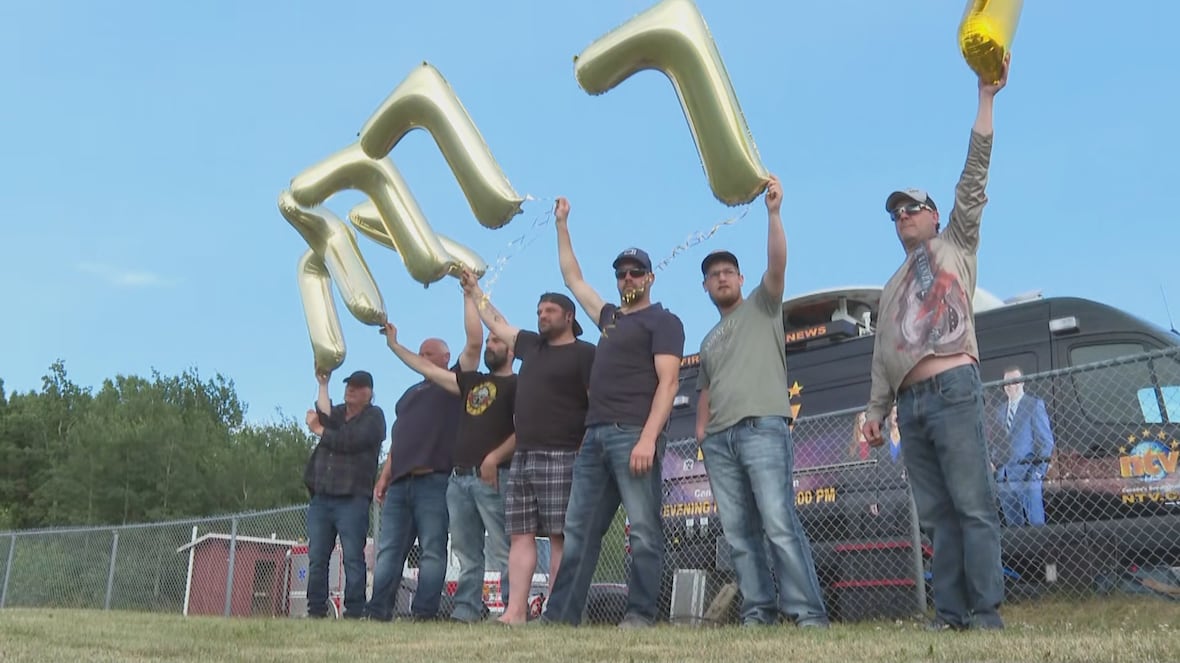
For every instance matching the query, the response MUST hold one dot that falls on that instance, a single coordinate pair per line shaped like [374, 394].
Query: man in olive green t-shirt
[743, 430]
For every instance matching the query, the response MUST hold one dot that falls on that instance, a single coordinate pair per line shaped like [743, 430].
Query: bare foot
[507, 621]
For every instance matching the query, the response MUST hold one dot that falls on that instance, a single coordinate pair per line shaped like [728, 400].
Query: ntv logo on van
[1151, 458]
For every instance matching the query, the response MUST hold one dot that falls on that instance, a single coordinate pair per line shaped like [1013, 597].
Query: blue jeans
[1022, 500]
[474, 508]
[750, 466]
[946, 458]
[327, 517]
[415, 507]
[602, 478]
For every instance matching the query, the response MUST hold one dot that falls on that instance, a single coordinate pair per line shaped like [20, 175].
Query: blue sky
[143, 146]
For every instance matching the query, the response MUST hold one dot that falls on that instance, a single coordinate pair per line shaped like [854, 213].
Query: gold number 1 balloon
[367, 220]
[336, 246]
[323, 325]
[425, 100]
[672, 37]
[986, 33]
[333, 256]
[403, 221]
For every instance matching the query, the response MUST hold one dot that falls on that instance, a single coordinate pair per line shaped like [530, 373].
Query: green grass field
[1115, 630]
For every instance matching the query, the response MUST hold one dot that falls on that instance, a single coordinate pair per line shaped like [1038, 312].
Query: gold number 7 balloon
[673, 38]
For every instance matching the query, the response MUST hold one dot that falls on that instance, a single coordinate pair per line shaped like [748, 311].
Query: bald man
[412, 491]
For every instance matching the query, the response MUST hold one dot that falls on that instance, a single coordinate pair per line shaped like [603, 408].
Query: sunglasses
[634, 272]
[910, 210]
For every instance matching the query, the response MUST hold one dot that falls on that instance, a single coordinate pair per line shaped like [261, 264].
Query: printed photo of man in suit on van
[1020, 450]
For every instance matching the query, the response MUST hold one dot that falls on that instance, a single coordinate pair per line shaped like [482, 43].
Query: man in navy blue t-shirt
[632, 384]
[412, 491]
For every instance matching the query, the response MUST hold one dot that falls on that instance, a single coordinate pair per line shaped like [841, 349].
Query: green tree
[141, 449]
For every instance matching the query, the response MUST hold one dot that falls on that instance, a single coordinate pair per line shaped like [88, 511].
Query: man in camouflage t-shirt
[926, 357]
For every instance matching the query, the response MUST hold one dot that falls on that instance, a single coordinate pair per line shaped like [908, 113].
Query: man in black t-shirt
[551, 403]
[635, 377]
[481, 457]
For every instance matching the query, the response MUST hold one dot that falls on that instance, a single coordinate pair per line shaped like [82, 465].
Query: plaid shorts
[538, 491]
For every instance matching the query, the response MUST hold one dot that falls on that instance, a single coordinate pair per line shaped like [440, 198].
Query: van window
[1166, 371]
[991, 369]
[1117, 394]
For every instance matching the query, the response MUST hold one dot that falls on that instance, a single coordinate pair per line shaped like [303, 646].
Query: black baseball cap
[566, 305]
[718, 256]
[634, 255]
[359, 379]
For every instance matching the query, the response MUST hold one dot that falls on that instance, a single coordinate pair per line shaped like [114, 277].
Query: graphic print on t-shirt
[481, 397]
[933, 308]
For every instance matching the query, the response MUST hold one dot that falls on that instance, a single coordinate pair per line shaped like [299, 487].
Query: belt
[465, 471]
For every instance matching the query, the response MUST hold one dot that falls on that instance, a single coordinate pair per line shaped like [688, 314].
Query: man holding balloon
[926, 357]
[634, 379]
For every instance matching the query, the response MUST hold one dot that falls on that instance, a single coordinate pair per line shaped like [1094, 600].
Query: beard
[494, 361]
[632, 295]
[725, 299]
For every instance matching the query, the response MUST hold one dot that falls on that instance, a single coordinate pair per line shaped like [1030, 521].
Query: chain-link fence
[1084, 459]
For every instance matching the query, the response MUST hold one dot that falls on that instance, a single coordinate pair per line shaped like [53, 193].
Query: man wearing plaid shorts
[551, 403]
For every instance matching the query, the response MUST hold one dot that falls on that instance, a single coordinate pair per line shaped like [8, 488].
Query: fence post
[7, 571]
[229, 574]
[111, 570]
[916, 547]
[188, 579]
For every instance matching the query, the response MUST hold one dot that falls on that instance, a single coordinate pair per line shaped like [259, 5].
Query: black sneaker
[940, 624]
[987, 621]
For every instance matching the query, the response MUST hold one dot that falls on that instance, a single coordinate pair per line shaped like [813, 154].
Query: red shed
[259, 585]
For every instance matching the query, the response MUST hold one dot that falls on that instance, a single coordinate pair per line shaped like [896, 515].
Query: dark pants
[327, 517]
[603, 479]
[415, 508]
[750, 468]
[946, 457]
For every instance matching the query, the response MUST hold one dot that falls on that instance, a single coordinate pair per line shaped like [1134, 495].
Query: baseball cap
[718, 256]
[916, 195]
[360, 379]
[566, 305]
[635, 255]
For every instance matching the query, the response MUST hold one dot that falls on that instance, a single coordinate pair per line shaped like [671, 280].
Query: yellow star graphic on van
[1175, 445]
[1146, 433]
[795, 390]
[1131, 439]
[1123, 450]
[1162, 435]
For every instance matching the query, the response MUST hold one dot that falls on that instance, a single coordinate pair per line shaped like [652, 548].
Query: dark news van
[1111, 496]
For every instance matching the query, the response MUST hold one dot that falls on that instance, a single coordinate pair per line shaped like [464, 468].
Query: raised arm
[469, 358]
[440, 376]
[773, 282]
[491, 318]
[570, 270]
[971, 191]
[323, 401]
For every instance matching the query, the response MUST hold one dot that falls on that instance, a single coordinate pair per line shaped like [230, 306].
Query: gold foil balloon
[986, 33]
[323, 325]
[367, 220]
[672, 37]
[402, 219]
[424, 100]
[334, 243]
